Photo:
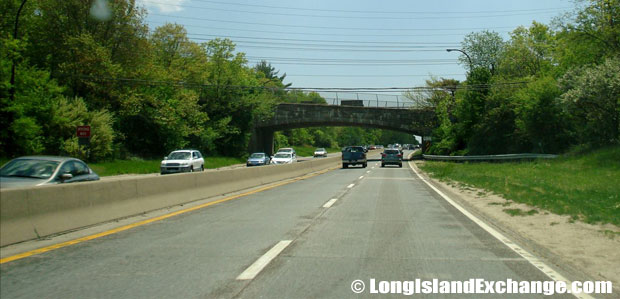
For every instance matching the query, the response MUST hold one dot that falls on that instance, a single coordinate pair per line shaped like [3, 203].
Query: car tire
[344, 165]
[382, 165]
[365, 165]
[400, 165]
[202, 167]
[191, 169]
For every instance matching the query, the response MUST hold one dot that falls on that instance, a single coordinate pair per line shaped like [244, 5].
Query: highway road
[314, 237]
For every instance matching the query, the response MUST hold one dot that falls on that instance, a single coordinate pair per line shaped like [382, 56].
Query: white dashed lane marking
[330, 203]
[263, 261]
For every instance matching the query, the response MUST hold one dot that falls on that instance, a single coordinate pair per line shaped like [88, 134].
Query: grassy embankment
[585, 186]
[308, 151]
[138, 166]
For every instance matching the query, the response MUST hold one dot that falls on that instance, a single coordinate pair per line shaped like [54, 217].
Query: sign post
[83, 135]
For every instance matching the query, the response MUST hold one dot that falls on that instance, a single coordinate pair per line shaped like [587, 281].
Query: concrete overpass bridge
[418, 121]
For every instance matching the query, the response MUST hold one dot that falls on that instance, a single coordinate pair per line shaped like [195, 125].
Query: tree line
[144, 91]
[547, 89]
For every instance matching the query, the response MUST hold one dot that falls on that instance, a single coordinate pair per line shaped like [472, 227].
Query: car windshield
[257, 156]
[355, 149]
[320, 149]
[285, 150]
[179, 156]
[391, 152]
[29, 168]
[282, 155]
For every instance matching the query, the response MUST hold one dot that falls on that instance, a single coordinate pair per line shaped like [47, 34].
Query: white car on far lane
[320, 152]
[283, 158]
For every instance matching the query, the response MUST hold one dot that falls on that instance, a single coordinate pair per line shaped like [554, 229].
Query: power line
[333, 89]
[327, 46]
[272, 58]
[324, 27]
[357, 49]
[504, 14]
[326, 41]
[371, 76]
[376, 12]
[329, 34]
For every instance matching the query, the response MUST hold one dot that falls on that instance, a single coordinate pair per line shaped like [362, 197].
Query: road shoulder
[584, 251]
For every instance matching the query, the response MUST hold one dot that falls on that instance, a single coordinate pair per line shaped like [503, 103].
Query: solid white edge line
[361, 177]
[351, 186]
[330, 203]
[263, 261]
[516, 248]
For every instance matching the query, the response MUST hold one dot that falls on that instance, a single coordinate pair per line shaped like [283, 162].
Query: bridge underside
[292, 116]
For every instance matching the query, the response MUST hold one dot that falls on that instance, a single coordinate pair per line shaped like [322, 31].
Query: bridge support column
[261, 141]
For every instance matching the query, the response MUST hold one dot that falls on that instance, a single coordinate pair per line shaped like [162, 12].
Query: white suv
[182, 161]
[288, 150]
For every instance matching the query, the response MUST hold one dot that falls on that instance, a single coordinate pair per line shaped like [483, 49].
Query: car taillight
[400, 155]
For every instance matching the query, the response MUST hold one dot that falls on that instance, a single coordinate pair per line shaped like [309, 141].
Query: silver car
[44, 170]
[257, 159]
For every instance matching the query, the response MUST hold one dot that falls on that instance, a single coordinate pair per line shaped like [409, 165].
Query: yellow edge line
[143, 222]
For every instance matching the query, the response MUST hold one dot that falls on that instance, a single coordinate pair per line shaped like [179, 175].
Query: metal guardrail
[507, 157]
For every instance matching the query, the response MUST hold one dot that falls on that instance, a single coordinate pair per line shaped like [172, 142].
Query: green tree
[484, 48]
[541, 124]
[529, 52]
[592, 96]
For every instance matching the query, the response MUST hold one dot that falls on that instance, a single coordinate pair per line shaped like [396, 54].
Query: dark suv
[392, 156]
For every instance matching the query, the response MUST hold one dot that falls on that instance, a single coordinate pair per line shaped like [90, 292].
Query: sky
[352, 43]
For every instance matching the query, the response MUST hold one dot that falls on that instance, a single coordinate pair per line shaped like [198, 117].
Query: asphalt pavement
[308, 239]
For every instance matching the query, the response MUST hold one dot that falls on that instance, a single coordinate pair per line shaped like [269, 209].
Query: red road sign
[83, 131]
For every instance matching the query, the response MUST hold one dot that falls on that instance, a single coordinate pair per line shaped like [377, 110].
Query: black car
[392, 156]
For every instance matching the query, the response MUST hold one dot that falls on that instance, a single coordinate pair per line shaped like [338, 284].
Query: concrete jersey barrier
[32, 213]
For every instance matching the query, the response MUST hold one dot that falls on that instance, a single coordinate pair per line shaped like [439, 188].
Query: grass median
[586, 186]
[138, 166]
[308, 151]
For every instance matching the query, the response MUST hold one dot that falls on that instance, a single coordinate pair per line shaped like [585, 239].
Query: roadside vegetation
[584, 186]
[545, 89]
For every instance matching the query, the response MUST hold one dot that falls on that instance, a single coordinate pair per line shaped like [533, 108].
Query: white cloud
[164, 6]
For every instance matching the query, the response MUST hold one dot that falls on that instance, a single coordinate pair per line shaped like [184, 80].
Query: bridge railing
[369, 103]
[367, 100]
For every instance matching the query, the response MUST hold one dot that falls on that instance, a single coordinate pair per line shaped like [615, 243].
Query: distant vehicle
[353, 155]
[289, 150]
[257, 159]
[372, 147]
[379, 146]
[320, 152]
[283, 158]
[392, 156]
[44, 170]
[182, 161]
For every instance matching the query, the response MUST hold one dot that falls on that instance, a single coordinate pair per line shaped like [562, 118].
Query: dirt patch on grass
[570, 244]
